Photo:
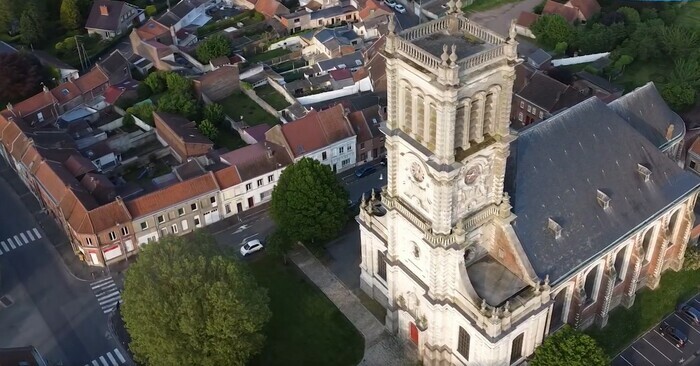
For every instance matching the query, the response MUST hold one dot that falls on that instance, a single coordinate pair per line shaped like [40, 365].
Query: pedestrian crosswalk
[107, 294]
[18, 240]
[113, 358]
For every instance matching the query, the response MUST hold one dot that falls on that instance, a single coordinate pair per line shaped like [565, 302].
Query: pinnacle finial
[512, 31]
[450, 7]
[453, 55]
[392, 25]
[458, 7]
[374, 195]
[444, 55]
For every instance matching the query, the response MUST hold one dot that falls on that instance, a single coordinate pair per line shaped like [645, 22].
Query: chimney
[104, 11]
[644, 172]
[9, 107]
[172, 34]
[669, 132]
[46, 90]
[603, 199]
[554, 227]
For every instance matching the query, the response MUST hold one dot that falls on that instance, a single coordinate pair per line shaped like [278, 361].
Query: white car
[390, 3]
[251, 247]
[400, 8]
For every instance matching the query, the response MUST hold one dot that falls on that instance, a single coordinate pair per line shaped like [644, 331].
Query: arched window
[673, 222]
[591, 285]
[646, 245]
[407, 110]
[620, 264]
[558, 309]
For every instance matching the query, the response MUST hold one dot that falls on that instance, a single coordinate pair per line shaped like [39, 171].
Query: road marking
[19, 243]
[669, 342]
[109, 298]
[9, 240]
[641, 354]
[111, 359]
[105, 281]
[119, 356]
[240, 229]
[36, 232]
[31, 237]
[104, 362]
[248, 238]
[624, 359]
[688, 324]
[24, 237]
[4, 246]
[662, 354]
[94, 363]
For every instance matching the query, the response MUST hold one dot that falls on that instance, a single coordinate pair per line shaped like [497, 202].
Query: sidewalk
[380, 347]
[48, 225]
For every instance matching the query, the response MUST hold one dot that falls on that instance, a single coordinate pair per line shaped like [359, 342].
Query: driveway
[653, 349]
[498, 19]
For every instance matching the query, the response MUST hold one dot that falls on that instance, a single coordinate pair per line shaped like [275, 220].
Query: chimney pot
[104, 11]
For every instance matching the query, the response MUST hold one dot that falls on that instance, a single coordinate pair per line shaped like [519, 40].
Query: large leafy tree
[156, 81]
[215, 114]
[21, 75]
[70, 14]
[568, 347]
[679, 41]
[186, 303]
[8, 14]
[309, 204]
[31, 25]
[552, 29]
[179, 103]
[208, 129]
[212, 47]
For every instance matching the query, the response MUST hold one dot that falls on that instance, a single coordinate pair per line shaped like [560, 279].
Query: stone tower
[437, 249]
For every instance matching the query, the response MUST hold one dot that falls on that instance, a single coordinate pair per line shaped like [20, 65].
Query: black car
[364, 171]
[689, 313]
[674, 335]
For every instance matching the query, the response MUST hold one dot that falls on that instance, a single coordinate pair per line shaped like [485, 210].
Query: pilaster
[445, 142]
[611, 277]
[638, 259]
[658, 264]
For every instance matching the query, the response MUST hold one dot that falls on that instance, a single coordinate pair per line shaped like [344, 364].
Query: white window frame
[125, 231]
[112, 236]
[160, 219]
[144, 225]
[173, 227]
[194, 206]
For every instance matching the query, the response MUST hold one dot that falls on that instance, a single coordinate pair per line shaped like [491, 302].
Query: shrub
[692, 258]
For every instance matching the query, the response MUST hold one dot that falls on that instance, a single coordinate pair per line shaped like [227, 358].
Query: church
[484, 240]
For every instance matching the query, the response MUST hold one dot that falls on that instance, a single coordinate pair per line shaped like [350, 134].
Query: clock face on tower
[472, 174]
[417, 172]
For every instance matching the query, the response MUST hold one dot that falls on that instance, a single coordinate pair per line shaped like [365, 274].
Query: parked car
[400, 8]
[251, 247]
[674, 335]
[364, 171]
[390, 3]
[690, 313]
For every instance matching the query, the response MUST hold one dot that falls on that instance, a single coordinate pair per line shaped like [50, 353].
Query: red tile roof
[79, 165]
[372, 8]
[151, 29]
[359, 124]
[34, 103]
[92, 80]
[526, 19]
[66, 92]
[258, 159]
[317, 130]
[588, 8]
[553, 7]
[109, 216]
[227, 177]
[113, 93]
[340, 74]
[179, 192]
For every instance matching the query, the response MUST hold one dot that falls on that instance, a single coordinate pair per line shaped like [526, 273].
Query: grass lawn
[481, 5]
[268, 55]
[639, 73]
[625, 325]
[305, 328]
[237, 105]
[690, 15]
[272, 97]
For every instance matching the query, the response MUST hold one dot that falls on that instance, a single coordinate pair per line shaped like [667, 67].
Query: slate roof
[542, 91]
[539, 58]
[352, 60]
[645, 110]
[111, 21]
[554, 171]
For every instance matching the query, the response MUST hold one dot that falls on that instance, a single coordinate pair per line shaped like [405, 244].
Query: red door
[413, 331]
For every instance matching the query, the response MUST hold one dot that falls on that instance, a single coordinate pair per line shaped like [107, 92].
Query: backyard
[690, 16]
[237, 105]
[625, 325]
[305, 328]
[272, 97]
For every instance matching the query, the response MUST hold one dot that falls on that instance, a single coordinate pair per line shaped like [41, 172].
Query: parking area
[654, 349]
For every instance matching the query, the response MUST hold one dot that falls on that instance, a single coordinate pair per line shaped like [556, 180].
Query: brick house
[181, 135]
[218, 84]
[370, 140]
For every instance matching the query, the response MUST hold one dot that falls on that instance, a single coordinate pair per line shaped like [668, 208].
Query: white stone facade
[340, 155]
[444, 210]
[248, 194]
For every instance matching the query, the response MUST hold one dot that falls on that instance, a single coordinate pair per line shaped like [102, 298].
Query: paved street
[498, 19]
[653, 349]
[43, 304]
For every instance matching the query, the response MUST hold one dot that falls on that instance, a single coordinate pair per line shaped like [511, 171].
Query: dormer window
[554, 227]
[603, 199]
[644, 172]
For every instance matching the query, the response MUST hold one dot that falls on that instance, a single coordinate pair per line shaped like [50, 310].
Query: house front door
[239, 207]
[250, 202]
[413, 332]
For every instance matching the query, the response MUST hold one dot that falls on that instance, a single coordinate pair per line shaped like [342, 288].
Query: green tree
[560, 49]
[644, 43]
[622, 62]
[552, 29]
[279, 244]
[631, 15]
[21, 75]
[214, 112]
[31, 25]
[143, 111]
[309, 203]
[179, 103]
[8, 14]
[679, 95]
[156, 81]
[128, 121]
[679, 41]
[599, 38]
[70, 15]
[692, 258]
[212, 47]
[178, 84]
[186, 303]
[151, 10]
[208, 129]
[568, 347]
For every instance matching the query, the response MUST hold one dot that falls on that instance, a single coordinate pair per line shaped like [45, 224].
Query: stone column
[611, 278]
[579, 298]
[478, 125]
[467, 116]
[392, 120]
[637, 257]
[504, 105]
[426, 121]
[662, 245]
[445, 131]
[684, 237]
